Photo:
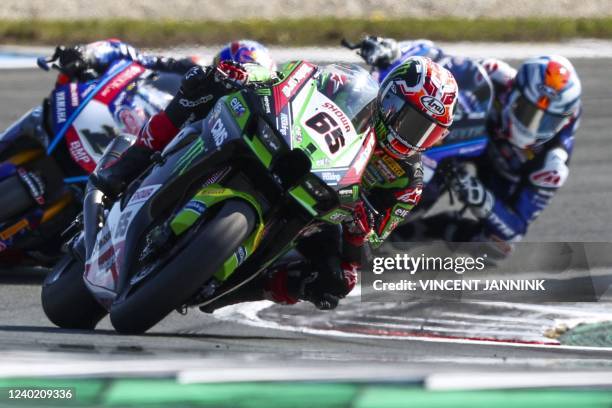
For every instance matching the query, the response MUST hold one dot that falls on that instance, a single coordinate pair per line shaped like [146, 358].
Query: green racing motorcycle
[228, 197]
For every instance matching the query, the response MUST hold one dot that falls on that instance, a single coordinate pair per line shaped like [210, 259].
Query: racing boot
[114, 178]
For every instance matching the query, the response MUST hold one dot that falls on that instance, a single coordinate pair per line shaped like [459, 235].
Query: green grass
[322, 31]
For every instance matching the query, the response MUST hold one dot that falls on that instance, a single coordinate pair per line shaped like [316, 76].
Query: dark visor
[411, 127]
[535, 119]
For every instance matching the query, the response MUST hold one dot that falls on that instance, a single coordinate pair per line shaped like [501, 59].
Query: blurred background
[316, 22]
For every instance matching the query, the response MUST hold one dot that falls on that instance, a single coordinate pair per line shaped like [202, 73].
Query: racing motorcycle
[467, 138]
[222, 202]
[46, 155]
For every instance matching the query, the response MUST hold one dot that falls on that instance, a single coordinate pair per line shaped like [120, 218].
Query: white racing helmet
[545, 97]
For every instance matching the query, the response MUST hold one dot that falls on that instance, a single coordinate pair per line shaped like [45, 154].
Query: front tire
[185, 273]
[66, 300]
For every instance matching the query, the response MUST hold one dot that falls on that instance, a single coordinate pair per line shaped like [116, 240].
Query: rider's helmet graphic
[415, 107]
[544, 98]
[246, 51]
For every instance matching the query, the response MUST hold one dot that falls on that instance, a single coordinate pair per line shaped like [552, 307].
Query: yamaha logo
[433, 105]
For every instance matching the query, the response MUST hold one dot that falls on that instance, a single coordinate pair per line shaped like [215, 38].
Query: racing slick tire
[217, 239]
[66, 300]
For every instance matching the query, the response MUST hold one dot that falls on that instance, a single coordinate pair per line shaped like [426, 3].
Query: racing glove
[379, 52]
[70, 61]
[470, 191]
[290, 283]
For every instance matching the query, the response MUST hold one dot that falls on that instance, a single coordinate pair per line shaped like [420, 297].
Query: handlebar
[350, 45]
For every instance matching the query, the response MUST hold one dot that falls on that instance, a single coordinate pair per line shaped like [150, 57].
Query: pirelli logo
[393, 166]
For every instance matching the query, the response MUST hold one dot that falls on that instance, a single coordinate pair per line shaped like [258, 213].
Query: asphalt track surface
[282, 339]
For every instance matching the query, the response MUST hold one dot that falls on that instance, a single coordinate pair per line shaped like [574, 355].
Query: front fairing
[324, 112]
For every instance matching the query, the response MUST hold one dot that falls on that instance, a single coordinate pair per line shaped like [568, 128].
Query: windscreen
[352, 88]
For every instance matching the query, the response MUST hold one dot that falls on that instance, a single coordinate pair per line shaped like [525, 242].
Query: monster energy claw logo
[194, 150]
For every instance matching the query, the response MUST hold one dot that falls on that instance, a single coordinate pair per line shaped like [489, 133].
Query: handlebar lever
[350, 45]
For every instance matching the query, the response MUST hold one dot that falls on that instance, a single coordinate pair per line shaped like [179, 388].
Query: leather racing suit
[521, 181]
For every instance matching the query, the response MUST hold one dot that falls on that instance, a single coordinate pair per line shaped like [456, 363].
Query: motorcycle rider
[413, 111]
[100, 55]
[531, 126]
[89, 61]
[95, 58]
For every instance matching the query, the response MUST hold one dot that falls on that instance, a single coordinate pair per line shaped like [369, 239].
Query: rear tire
[186, 272]
[66, 300]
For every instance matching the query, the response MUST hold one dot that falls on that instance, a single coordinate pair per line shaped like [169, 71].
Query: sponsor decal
[241, 255]
[433, 105]
[294, 80]
[266, 104]
[284, 124]
[290, 86]
[196, 206]
[219, 132]
[74, 95]
[187, 103]
[401, 212]
[142, 194]
[116, 85]
[393, 166]
[297, 134]
[410, 195]
[237, 107]
[347, 192]
[385, 171]
[330, 176]
[34, 183]
[60, 107]
[337, 216]
[87, 90]
[78, 152]
[194, 150]
[322, 162]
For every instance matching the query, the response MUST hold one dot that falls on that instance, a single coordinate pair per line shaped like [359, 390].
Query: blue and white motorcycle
[47, 155]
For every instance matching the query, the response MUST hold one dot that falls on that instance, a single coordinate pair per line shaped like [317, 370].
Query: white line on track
[247, 313]
[493, 380]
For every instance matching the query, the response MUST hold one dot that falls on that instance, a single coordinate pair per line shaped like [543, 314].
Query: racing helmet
[545, 96]
[415, 107]
[246, 51]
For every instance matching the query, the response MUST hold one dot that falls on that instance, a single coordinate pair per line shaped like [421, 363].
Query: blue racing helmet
[246, 51]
